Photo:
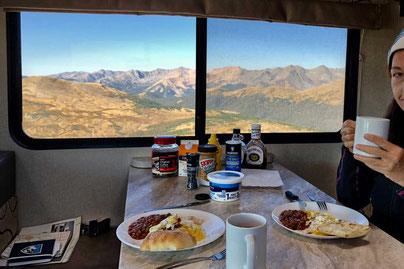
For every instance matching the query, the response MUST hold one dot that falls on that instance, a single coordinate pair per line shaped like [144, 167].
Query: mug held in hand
[369, 125]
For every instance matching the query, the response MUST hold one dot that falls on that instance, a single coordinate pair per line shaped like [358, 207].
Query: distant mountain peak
[178, 82]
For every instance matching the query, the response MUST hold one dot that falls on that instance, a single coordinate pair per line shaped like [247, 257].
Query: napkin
[261, 178]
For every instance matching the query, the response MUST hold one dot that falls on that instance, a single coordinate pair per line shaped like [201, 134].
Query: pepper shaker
[192, 170]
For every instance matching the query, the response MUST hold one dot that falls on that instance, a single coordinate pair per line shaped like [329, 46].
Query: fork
[321, 204]
[218, 256]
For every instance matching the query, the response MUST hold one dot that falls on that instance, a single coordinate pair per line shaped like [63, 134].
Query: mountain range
[180, 82]
[57, 108]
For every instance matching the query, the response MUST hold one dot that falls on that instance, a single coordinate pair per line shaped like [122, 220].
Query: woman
[378, 183]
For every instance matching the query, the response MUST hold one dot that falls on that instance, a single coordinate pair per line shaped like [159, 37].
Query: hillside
[64, 109]
[56, 108]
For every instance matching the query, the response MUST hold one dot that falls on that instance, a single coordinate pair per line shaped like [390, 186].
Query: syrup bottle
[256, 150]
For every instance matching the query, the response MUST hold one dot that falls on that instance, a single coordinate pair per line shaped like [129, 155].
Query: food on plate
[344, 229]
[320, 223]
[294, 219]
[189, 224]
[167, 240]
[140, 228]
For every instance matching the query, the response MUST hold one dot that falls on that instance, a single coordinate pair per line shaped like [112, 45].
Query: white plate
[338, 211]
[213, 225]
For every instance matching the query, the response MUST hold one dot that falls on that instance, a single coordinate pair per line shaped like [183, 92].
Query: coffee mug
[369, 125]
[246, 241]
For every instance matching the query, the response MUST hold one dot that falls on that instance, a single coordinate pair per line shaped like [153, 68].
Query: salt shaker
[192, 170]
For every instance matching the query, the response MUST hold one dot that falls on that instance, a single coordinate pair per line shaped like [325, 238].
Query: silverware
[321, 204]
[178, 206]
[293, 198]
[218, 256]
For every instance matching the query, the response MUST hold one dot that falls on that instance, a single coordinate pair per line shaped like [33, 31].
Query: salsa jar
[207, 162]
[165, 156]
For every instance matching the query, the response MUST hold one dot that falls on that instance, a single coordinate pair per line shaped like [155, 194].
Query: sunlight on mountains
[139, 104]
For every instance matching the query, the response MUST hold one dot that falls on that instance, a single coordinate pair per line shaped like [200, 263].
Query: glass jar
[207, 162]
[165, 156]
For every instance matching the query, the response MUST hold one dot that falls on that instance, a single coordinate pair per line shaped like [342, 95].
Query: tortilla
[344, 229]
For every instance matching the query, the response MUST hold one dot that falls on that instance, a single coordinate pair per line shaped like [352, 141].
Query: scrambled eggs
[316, 219]
[190, 225]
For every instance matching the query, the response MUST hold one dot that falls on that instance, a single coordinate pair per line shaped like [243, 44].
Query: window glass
[97, 76]
[290, 78]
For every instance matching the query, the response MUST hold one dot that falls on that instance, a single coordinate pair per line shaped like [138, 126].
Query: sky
[55, 43]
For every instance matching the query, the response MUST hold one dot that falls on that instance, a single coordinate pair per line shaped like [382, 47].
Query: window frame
[15, 116]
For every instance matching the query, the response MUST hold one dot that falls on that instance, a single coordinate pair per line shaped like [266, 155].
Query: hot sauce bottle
[256, 150]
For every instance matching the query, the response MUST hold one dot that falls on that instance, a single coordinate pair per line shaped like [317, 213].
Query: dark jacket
[358, 185]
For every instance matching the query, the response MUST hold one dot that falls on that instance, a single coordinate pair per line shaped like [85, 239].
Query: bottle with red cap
[165, 156]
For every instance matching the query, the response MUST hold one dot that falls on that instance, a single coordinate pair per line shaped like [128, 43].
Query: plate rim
[188, 212]
[276, 219]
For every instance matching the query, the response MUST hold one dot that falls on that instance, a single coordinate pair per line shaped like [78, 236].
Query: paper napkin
[261, 178]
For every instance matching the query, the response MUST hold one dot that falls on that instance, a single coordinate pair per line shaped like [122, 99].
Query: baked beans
[140, 228]
[294, 219]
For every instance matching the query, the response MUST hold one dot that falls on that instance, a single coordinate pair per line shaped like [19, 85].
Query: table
[284, 249]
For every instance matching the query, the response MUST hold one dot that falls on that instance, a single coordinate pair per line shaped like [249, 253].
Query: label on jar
[164, 163]
[255, 155]
[205, 167]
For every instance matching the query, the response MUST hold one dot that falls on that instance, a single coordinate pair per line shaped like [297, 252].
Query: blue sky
[54, 43]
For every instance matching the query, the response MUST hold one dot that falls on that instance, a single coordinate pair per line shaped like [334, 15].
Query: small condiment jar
[165, 156]
[207, 162]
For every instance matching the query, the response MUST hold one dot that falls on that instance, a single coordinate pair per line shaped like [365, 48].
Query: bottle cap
[255, 126]
[164, 139]
[236, 130]
[207, 148]
[202, 196]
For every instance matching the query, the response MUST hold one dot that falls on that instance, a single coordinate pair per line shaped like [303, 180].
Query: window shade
[311, 12]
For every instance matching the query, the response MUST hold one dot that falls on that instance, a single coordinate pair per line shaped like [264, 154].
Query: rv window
[92, 80]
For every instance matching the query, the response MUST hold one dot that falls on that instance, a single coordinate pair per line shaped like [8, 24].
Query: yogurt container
[225, 185]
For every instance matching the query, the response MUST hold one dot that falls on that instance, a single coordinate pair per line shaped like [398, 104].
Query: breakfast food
[167, 240]
[344, 229]
[189, 224]
[294, 219]
[320, 223]
[140, 228]
[162, 232]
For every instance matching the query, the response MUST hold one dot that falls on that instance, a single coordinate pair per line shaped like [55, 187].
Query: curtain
[311, 12]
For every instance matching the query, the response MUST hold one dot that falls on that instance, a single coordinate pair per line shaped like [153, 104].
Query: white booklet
[67, 232]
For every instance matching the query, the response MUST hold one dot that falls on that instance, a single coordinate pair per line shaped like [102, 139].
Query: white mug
[369, 125]
[246, 241]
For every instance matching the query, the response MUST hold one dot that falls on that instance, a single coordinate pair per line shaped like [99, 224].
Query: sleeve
[354, 181]
[400, 193]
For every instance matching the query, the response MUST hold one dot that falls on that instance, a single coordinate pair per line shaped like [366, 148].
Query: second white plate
[338, 211]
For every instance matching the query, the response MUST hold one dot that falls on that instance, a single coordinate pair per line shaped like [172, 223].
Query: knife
[293, 197]
[178, 206]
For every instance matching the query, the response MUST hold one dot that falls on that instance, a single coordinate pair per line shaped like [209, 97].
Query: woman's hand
[391, 162]
[348, 134]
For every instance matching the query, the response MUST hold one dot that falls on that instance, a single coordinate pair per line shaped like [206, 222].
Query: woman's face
[397, 77]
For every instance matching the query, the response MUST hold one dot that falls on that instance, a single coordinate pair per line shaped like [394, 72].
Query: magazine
[67, 232]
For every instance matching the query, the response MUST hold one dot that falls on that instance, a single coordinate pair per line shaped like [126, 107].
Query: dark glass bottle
[256, 150]
[239, 137]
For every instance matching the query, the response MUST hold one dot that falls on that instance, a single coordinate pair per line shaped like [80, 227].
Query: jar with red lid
[165, 156]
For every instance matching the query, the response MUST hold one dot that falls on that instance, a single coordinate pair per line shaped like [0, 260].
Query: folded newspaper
[67, 232]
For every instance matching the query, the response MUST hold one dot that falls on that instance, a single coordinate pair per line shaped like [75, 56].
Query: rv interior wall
[91, 183]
